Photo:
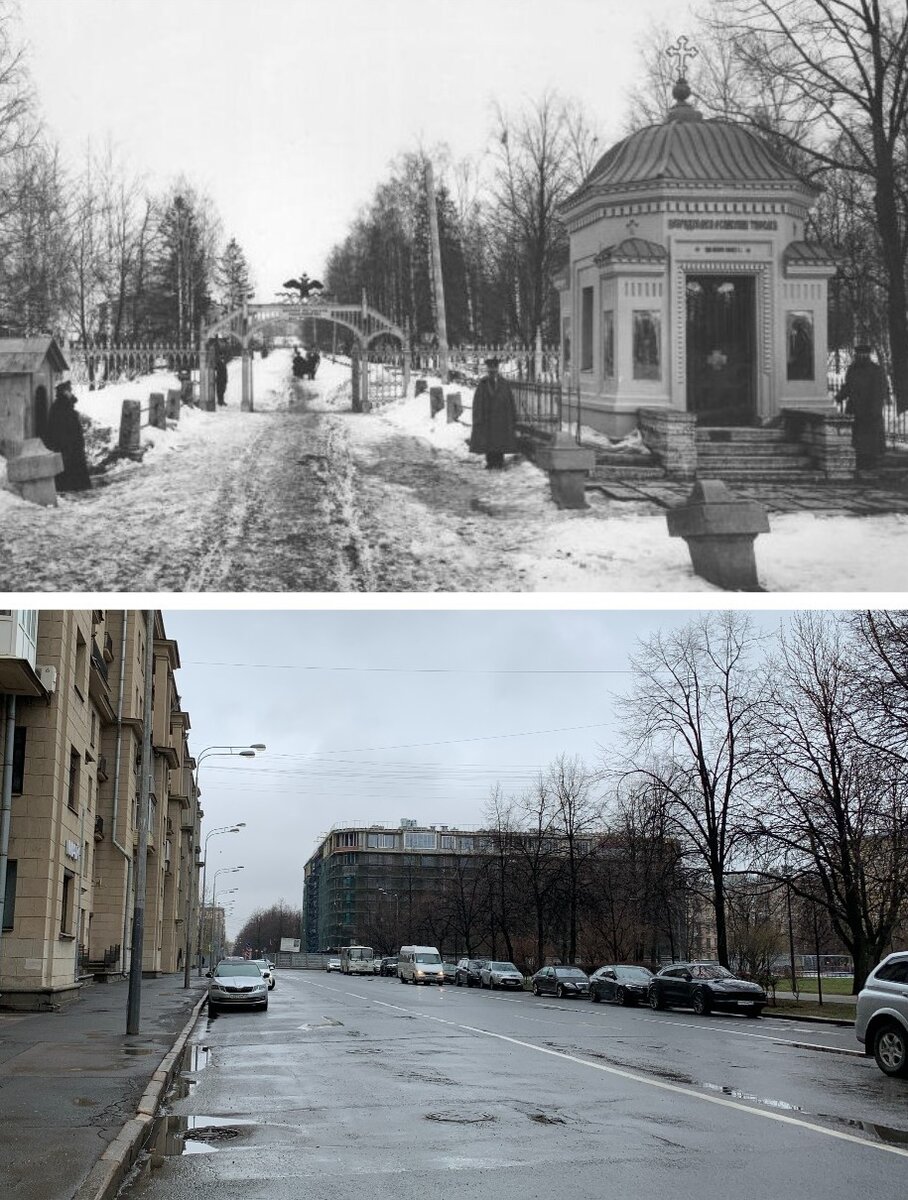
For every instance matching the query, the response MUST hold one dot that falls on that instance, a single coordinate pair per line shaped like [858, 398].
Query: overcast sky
[288, 112]
[370, 716]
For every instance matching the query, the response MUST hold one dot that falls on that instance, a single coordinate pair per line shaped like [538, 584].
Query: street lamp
[395, 896]
[249, 751]
[214, 892]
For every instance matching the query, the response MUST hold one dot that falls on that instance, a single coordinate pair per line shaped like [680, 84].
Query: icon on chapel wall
[799, 344]
[647, 333]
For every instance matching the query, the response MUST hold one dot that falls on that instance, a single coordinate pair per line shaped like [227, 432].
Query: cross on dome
[682, 50]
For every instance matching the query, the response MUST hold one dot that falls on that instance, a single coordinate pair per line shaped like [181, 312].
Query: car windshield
[711, 972]
[499, 966]
[243, 968]
[633, 973]
[569, 973]
[261, 962]
[428, 958]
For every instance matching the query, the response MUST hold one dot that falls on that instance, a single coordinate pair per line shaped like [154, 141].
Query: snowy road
[304, 495]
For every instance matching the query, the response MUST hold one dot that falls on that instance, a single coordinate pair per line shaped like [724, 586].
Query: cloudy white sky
[287, 112]
[370, 716]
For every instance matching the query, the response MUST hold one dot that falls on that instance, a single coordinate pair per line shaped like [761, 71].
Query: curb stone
[106, 1176]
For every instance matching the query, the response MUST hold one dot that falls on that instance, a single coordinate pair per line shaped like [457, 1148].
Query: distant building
[72, 688]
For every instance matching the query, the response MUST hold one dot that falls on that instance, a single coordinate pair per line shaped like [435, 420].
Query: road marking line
[656, 1083]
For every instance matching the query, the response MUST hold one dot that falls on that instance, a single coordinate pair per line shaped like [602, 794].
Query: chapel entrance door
[721, 349]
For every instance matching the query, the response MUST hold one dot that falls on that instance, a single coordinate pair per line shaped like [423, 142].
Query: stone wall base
[670, 436]
[826, 436]
[40, 999]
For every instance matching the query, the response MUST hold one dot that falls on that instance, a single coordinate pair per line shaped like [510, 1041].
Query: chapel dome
[688, 149]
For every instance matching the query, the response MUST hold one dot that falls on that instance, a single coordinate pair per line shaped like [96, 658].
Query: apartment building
[72, 698]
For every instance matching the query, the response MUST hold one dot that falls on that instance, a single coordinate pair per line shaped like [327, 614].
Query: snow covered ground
[424, 514]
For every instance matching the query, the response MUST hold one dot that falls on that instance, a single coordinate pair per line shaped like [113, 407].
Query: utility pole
[441, 324]
[134, 1002]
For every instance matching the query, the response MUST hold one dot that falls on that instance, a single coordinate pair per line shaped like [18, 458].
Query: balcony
[99, 829]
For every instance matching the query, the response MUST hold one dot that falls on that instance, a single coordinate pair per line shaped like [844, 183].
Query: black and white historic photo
[271, 254]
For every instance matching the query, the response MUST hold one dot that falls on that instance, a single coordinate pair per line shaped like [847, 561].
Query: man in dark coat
[63, 433]
[865, 393]
[494, 418]
[220, 378]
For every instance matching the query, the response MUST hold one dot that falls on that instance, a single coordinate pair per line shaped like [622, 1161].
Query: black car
[704, 986]
[467, 971]
[388, 966]
[561, 982]
[620, 984]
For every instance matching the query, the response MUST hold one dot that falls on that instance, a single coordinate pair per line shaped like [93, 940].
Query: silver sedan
[234, 984]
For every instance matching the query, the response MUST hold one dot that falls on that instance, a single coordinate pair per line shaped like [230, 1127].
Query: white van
[420, 964]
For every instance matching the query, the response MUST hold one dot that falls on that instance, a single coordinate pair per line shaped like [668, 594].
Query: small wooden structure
[29, 370]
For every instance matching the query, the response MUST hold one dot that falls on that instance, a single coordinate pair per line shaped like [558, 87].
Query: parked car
[267, 971]
[332, 964]
[561, 982]
[450, 970]
[620, 983]
[234, 983]
[704, 986]
[881, 1016]
[388, 966]
[467, 972]
[501, 974]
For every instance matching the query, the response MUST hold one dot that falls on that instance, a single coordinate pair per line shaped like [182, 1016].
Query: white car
[232, 984]
[881, 1016]
[500, 975]
[332, 964]
[267, 971]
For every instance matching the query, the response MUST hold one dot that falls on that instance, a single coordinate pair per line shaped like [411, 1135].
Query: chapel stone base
[671, 438]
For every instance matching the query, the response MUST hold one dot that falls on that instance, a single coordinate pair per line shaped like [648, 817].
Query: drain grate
[449, 1116]
[211, 1133]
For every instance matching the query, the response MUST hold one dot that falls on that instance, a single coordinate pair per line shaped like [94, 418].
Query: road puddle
[176, 1135]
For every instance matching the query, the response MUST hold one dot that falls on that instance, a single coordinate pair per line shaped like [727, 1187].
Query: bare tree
[837, 804]
[690, 723]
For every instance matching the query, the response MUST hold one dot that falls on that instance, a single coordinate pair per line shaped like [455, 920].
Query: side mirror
[687, 975]
[208, 974]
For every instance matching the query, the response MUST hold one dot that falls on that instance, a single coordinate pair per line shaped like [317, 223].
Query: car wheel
[458, 982]
[621, 997]
[700, 1003]
[535, 989]
[890, 1049]
[212, 1009]
[401, 978]
[656, 1003]
[559, 992]
[594, 996]
[754, 1012]
[265, 1006]
[491, 984]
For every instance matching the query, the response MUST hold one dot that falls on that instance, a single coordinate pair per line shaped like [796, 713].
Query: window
[894, 972]
[799, 345]
[608, 344]
[66, 915]
[9, 903]
[81, 660]
[346, 839]
[349, 859]
[72, 797]
[647, 349]
[18, 759]
[466, 843]
[448, 841]
[381, 841]
[419, 841]
[586, 329]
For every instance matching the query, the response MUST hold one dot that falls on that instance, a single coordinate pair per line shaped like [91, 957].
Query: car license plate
[747, 1003]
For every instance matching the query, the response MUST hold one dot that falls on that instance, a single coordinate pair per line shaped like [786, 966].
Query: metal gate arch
[243, 323]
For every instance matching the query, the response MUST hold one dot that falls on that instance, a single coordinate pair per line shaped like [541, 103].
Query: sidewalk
[77, 1092]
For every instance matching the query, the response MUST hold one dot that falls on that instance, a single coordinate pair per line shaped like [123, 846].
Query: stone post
[355, 374]
[32, 472]
[671, 437]
[422, 385]
[156, 415]
[436, 400]
[568, 464]
[131, 427]
[172, 404]
[453, 406]
[246, 400]
[537, 354]
[406, 357]
[720, 531]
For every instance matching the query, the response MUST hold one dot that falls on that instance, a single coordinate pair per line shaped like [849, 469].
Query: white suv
[881, 1020]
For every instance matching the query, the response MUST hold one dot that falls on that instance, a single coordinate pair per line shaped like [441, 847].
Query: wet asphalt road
[361, 1086]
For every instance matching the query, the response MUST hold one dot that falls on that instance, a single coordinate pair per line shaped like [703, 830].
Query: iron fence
[96, 364]
[517, 362]
[386, 376]
[895, 423]
[546, 406]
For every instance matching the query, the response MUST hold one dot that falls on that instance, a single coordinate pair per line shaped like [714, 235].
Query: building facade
[690, 286]
[72, 689]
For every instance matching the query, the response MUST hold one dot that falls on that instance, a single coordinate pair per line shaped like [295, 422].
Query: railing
[97, 661]
[97, 364]
[895, 423]
[517, 362]
[546, 406]
[386, 376]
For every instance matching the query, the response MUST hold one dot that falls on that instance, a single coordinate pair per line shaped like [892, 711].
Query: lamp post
[395, 896]
[214, 892]
[249, 751]
[223, 829]
[227, 909]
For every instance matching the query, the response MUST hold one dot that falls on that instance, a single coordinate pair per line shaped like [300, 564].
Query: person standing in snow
[220, 378]
[865, 393]
[494, 418]
[63, 433]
